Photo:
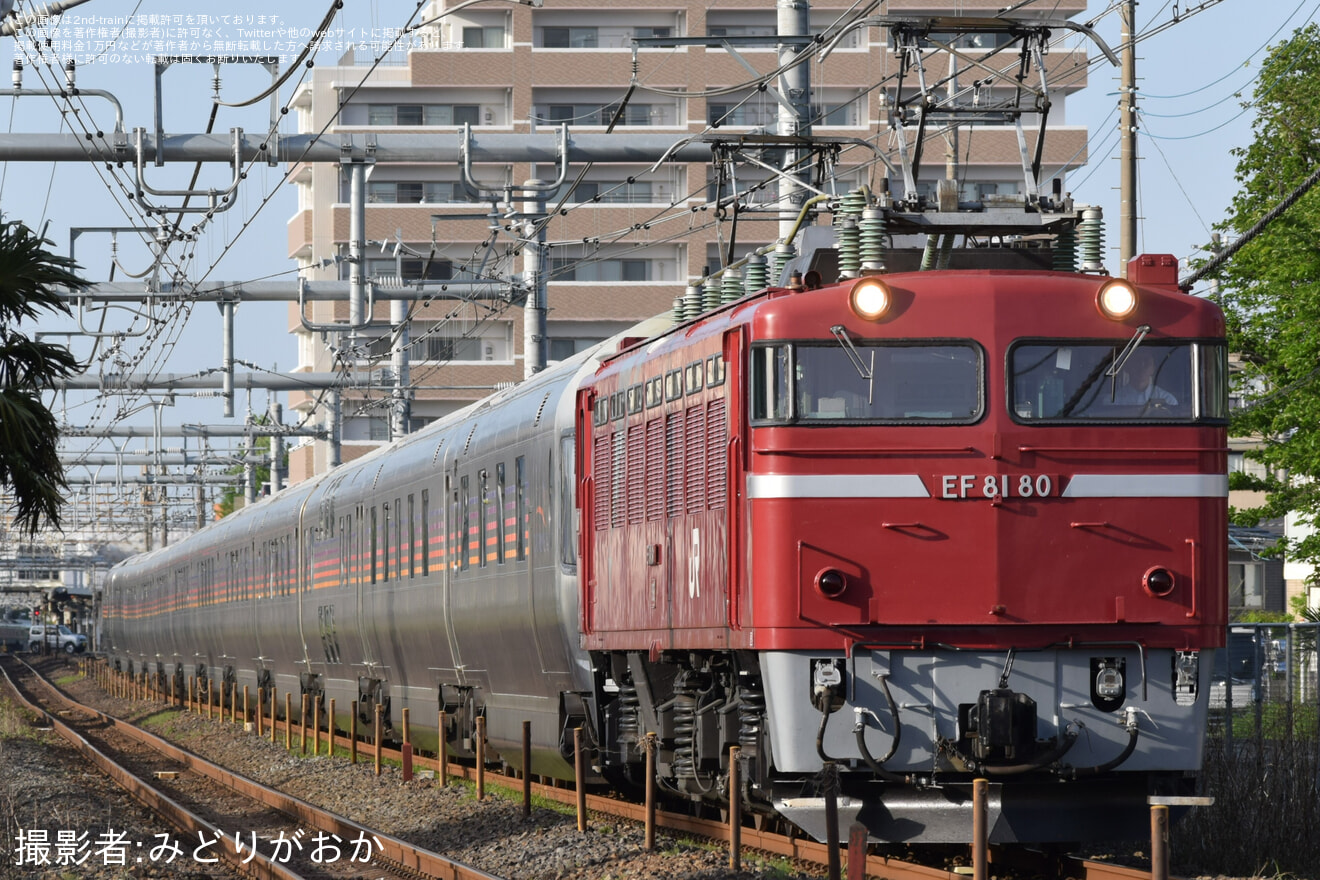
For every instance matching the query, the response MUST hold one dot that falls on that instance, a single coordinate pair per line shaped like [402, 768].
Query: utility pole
[792, 18]
[146, 518]
[276, 450]
[1127, 131]
[400, 353]
[951, 136]
[535, 275]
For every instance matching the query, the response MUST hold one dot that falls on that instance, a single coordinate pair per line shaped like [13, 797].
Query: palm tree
[29, 462]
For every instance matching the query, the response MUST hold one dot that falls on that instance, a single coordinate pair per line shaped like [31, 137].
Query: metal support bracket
[334, 326]
[510, 192]
[219, 200]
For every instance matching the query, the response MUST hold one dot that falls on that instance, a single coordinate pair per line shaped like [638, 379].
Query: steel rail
[393, 849]
[154, 800]
[784, 846]
[779, 845]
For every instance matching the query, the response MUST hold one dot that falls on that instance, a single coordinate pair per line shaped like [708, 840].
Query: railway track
[1006, 861]
[257, 830]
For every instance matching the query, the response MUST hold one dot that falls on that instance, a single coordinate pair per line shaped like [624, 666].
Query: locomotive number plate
[998, 485]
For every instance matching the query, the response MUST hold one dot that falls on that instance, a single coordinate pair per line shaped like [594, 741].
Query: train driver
[827, 393]
[1137, 385]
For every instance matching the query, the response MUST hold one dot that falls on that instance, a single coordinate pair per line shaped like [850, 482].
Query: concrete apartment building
[630, 237]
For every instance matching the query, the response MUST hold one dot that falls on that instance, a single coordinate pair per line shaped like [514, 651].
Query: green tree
[260, 453]
[29, 461]
[1271, 290]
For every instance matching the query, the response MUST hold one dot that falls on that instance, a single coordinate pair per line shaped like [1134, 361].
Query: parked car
[57, 637]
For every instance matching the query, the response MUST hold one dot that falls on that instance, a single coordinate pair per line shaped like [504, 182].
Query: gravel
[45, 787]
[491, 834]
[48, 791]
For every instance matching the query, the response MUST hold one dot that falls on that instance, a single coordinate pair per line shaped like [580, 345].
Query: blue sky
[1193, 80]
[1190, 77]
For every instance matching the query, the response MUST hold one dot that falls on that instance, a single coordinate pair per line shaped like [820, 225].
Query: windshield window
[1074, 380]
[819, 383]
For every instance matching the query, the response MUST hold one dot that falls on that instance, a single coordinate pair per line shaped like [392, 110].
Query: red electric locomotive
[896, 533]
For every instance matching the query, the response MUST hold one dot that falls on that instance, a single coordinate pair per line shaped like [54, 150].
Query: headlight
[1117, 299]
[869, 299]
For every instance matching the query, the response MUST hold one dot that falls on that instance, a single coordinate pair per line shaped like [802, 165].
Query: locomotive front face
[985, 520]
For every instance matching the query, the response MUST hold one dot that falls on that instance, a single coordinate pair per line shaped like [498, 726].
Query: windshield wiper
[1122, 357]
[863, 370]
[1114, 366]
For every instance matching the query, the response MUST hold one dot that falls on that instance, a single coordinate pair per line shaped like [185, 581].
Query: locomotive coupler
[1001, 725]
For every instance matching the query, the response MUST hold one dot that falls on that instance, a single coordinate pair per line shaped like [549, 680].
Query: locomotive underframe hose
[1133, 735]
[820, 734]
[1054, 754]
[859, 730]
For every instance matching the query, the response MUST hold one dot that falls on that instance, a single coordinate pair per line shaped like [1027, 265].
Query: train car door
[542, 567]
[324, 607]
[453, 549]
[375, 556]
[434, 569]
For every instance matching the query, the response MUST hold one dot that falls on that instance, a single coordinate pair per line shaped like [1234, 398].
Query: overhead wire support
[269, 154]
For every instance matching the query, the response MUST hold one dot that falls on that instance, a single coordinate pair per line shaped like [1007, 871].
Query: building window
[741, 30]
[747, 23]
[435, 269]
[453, 114]
[561, 349]
[607, 192]
[764, 114]
[483, 38]
[634, 114]
[446, 191]
[967, 41]
[392, 192]
[424, 114]
[569, 269]
[972, 190]
[750, 192]
[1246, 585]
[569, 38]
[837, 114]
